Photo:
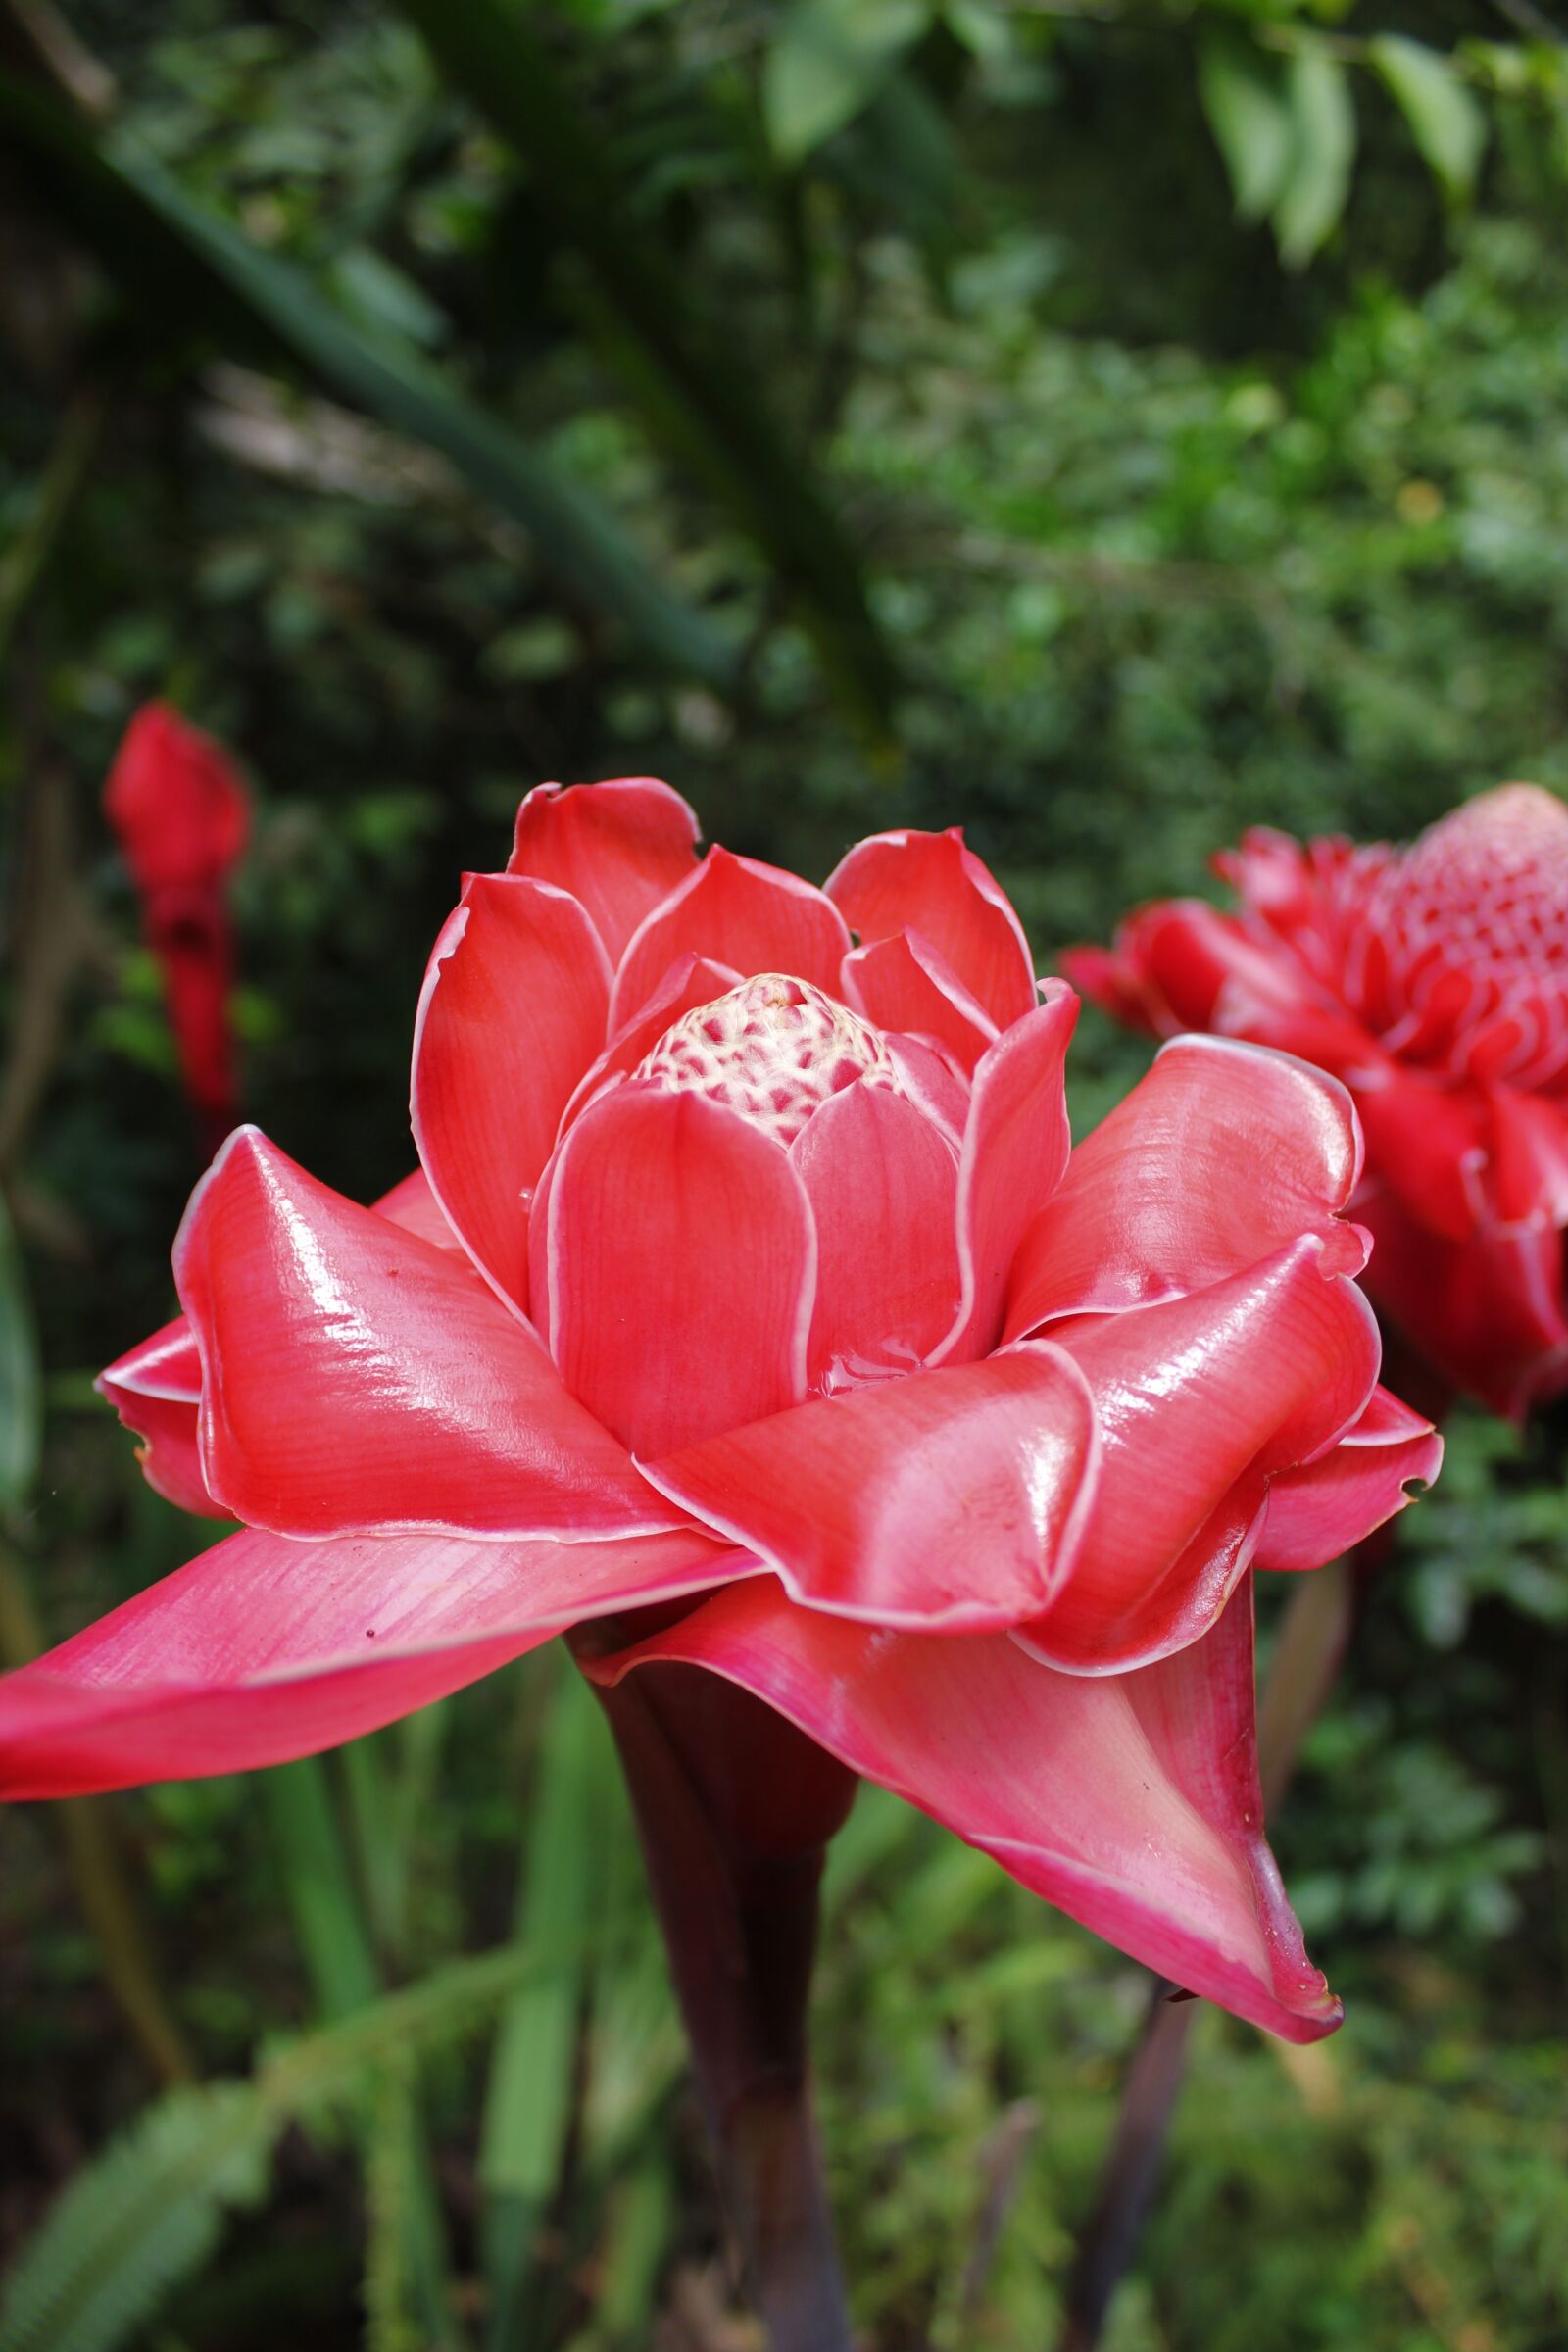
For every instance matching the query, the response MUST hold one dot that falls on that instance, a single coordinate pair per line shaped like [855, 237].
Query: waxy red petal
[412, 1205]
[1131, 1803]
[512, 1014]
[930, 883]
[1016, 1145]
[262, 1650]
[1220, 1156]
[356, 1378]
[902, 984]
[883, 1185]
[1316, 1514]
[752, 917]
[1195, 1397]
[951, 1500]
[618, 848]
[681, 1267]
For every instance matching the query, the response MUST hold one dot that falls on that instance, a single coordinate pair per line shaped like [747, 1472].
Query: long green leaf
[528, 2100]
[694, 380]
[149, 230]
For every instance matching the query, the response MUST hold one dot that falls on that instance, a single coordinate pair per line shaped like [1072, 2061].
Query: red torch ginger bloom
[1433, 981]
[181, 815]
[751, 1301]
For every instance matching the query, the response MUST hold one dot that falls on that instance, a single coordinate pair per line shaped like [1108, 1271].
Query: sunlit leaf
[1446, 123]
[829, 62]
[1244, 100]
[1317, 179]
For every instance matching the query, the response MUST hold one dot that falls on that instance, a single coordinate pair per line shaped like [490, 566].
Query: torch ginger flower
[1433, 980]
[751, 1316]
[181, 815]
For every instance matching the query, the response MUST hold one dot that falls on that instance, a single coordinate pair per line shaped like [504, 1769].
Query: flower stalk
[734, 1808]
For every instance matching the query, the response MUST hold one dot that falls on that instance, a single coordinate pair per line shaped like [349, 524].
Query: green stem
[342, 1966]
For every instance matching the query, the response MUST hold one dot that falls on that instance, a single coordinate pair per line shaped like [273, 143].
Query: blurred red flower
[176, 803]
[1433, 981]
[749, 1295]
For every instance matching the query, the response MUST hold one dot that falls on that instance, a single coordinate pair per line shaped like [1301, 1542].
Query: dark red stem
[734, 1810]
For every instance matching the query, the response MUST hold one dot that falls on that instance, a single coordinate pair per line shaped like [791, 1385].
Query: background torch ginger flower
[1433, 980]
[180, 811]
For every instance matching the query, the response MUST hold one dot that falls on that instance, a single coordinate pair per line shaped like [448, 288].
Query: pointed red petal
[952, 1499]
[262, 1650]
[618, 848]
[930, 883]
[681, 1267]
[1131, 1803]
[903, 985]
[752, 917]
[355, 1377]
[512, 1013]
[690, 981]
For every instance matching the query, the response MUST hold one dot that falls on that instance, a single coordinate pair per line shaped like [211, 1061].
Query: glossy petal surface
[262, 1648]
[951, 1499]
[1193, 1398]
[1220, 1156]
[353, 1377]
[512, 1014]
[932, 884]
[681, 1268]
[751, 917]
[1131, 1803]
[618, 848]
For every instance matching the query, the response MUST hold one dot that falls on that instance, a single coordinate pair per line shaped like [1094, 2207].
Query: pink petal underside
[1131, 1803]
[902, 984]
[681, 1267]
[690, 981]
[1017, 1144]
[262, 1648]
[752, 917]
[512, 1013]
[156, 1388]
[930, 883]
[883, 1184]
[354, 1378]
[1197, 1401]
[1219, 1156]
[1487, 1312]
[618, 848]
[1316, 1514]
[951, 1499]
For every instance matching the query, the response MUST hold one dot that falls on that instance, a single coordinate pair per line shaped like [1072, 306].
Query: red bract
[1433, 981]
[181, 815]
[749, 1273]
